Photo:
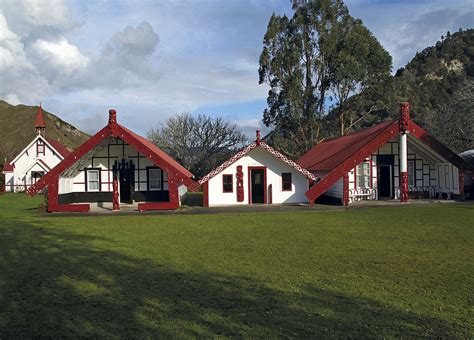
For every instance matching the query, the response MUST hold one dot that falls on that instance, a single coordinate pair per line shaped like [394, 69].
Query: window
[39, 147]
[227, 185]
[93, 180]
[286, 181]
[154, 179]
[411, 173]
[363, 175]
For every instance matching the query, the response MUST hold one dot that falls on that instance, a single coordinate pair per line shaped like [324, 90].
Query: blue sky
[153, 59]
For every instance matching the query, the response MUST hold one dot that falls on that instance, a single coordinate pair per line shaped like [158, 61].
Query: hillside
[17, 129]
[438, 83]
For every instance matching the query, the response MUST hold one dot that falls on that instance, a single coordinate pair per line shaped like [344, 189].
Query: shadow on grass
[54, 283]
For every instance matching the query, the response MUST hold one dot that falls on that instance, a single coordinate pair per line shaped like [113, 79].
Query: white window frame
[159, 179]
[89, 171]
[411, 173]
[363, 175]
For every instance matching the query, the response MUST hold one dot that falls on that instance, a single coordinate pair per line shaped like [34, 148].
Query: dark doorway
[126, 176]
[257, 185]
[385, 175]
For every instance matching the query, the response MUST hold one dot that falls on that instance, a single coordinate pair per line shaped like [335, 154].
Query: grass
[384, 272]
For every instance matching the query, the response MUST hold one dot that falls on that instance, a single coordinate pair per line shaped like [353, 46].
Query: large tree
[303, 61]
[199, 143]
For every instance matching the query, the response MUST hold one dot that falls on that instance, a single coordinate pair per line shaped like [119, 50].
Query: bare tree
[199, 143]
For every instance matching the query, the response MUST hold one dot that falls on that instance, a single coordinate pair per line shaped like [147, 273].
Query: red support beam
[158, 206]
[345, 188]
[205, 197]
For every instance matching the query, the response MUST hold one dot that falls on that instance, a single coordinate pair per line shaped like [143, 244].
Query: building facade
[392, 160]
[35, 160]
[117, 166]
[257, 174]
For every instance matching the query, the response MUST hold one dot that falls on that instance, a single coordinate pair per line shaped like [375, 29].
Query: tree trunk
[341, 120]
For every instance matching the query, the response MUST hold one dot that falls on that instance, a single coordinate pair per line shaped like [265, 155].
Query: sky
[153, 59]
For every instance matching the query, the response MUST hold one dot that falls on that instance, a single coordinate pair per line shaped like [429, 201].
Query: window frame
[366, 177]
[148, 182]
[283, 181]
[412, 173]
[231, 183]
[87, 179]
[40, 145]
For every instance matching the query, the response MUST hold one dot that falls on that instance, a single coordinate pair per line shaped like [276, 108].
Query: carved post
[240, 184]
[173, 190]
[115, 195]
[461, 185]
[53, 195]
[403, 127]
[345, 186]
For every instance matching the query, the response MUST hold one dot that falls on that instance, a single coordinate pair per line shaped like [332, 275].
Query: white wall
[275, 167]
[28, 158]
[104, 160]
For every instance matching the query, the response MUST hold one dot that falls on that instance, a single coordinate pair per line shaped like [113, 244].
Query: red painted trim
[282, 182]
[115, 130]
[205, 197]
[231, 183]
[351, 162]
[345, 189]
[158, 206]
[44, 163]
[250, 168]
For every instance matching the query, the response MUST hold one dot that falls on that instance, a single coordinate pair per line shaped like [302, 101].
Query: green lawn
[382, 272]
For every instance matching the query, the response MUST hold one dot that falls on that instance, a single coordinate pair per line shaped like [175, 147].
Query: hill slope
[438, 83]
[17, 129]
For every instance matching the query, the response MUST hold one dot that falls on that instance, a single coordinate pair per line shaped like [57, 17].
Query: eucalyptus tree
[303, 62]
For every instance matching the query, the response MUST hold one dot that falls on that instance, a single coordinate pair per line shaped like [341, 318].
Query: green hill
[17, 129]
[439, 84]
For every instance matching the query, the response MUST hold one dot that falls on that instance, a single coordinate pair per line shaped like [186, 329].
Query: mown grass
[384, 272]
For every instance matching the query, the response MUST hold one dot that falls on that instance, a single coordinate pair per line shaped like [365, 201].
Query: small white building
[256, 174]
[35, 160]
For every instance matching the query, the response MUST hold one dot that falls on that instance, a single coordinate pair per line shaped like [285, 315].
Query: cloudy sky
[151, 59]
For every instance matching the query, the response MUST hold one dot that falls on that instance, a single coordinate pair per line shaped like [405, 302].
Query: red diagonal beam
[320, 187]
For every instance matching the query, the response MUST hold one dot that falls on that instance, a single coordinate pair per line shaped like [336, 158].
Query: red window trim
[231, 183]
[283, 182]
[39, 143]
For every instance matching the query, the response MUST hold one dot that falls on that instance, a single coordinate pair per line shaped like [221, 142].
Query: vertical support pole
[345, 188]
[53, 195]
[173, 191]
[461, 185]
[205, 198]
[115, 195]
[403, 128]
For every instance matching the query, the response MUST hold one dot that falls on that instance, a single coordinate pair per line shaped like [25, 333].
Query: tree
[360, 63]
[198, 143]
[302, 60]
[453, 124]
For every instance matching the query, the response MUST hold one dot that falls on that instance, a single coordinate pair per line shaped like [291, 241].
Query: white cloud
[60, 55]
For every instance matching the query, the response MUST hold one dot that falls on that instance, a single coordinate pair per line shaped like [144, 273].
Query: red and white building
[118, 166]
[257, 174]
[35, 160]
[391, 160]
